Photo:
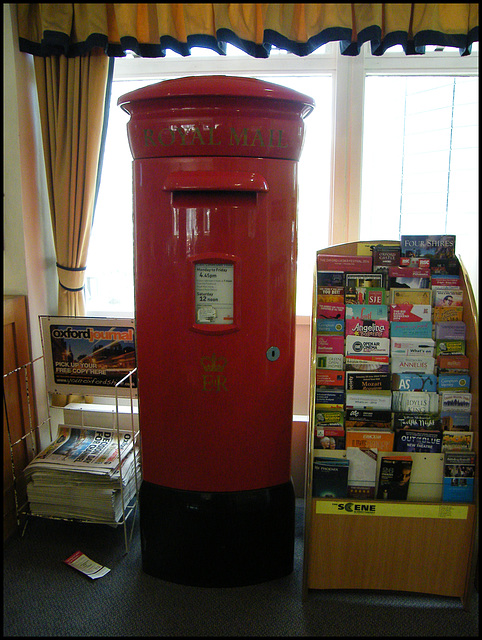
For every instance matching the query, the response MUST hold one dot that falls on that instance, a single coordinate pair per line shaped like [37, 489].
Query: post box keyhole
[272, 354]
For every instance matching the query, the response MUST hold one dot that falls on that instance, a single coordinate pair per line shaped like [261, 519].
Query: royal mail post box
[215, 200]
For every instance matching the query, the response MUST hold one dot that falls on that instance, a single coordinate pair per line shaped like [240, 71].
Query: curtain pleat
[72, 99]
[151, 29]
[71, 94]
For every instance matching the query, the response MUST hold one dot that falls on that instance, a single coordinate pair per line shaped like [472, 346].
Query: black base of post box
[217, 539]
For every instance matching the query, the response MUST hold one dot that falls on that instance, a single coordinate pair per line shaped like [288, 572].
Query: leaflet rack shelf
[31, 440]
[429, 547]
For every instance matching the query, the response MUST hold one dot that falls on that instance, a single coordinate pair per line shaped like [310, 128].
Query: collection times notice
[214, 289]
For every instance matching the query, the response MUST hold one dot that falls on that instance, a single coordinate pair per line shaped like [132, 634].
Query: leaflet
[410, 312]
[367, 311]
[355, 345]
[374, 400]
[85, 565]
[368, 328]
[404, 329]
[414, 382]
[329, 361]
[407, 364]
[415, 402]
[412, 346]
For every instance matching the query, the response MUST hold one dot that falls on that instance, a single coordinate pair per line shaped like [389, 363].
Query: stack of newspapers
[78, 476]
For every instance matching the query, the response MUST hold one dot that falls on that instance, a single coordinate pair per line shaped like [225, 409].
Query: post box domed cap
[218, 85]
[216, 115]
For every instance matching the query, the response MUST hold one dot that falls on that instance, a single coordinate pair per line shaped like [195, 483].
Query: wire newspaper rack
[30, 439]
[20, 380]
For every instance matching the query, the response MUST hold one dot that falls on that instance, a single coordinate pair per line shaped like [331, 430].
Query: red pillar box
[215, 197]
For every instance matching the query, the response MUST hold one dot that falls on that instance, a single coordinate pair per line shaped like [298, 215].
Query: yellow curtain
[71, 94]
[149, 29]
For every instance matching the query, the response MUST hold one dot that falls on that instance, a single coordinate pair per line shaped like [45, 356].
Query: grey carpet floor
[45, 597]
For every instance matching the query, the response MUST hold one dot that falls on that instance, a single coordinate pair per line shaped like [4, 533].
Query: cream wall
[14, 267]
[28, 254]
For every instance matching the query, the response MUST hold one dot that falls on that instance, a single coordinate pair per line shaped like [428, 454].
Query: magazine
[394, 478]
[362, 472]
[459, 473]
[330, 477]
[428, 246]
[78, 475]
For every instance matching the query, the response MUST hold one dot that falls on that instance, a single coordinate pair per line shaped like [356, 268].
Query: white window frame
[348, 77]
[348, 99]
[348, 122]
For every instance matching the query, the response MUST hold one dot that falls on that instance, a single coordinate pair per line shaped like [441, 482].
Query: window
[420, 160]
[109, 277]
[390, 148]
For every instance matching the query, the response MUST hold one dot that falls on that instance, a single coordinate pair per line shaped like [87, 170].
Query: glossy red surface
[215, 406]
